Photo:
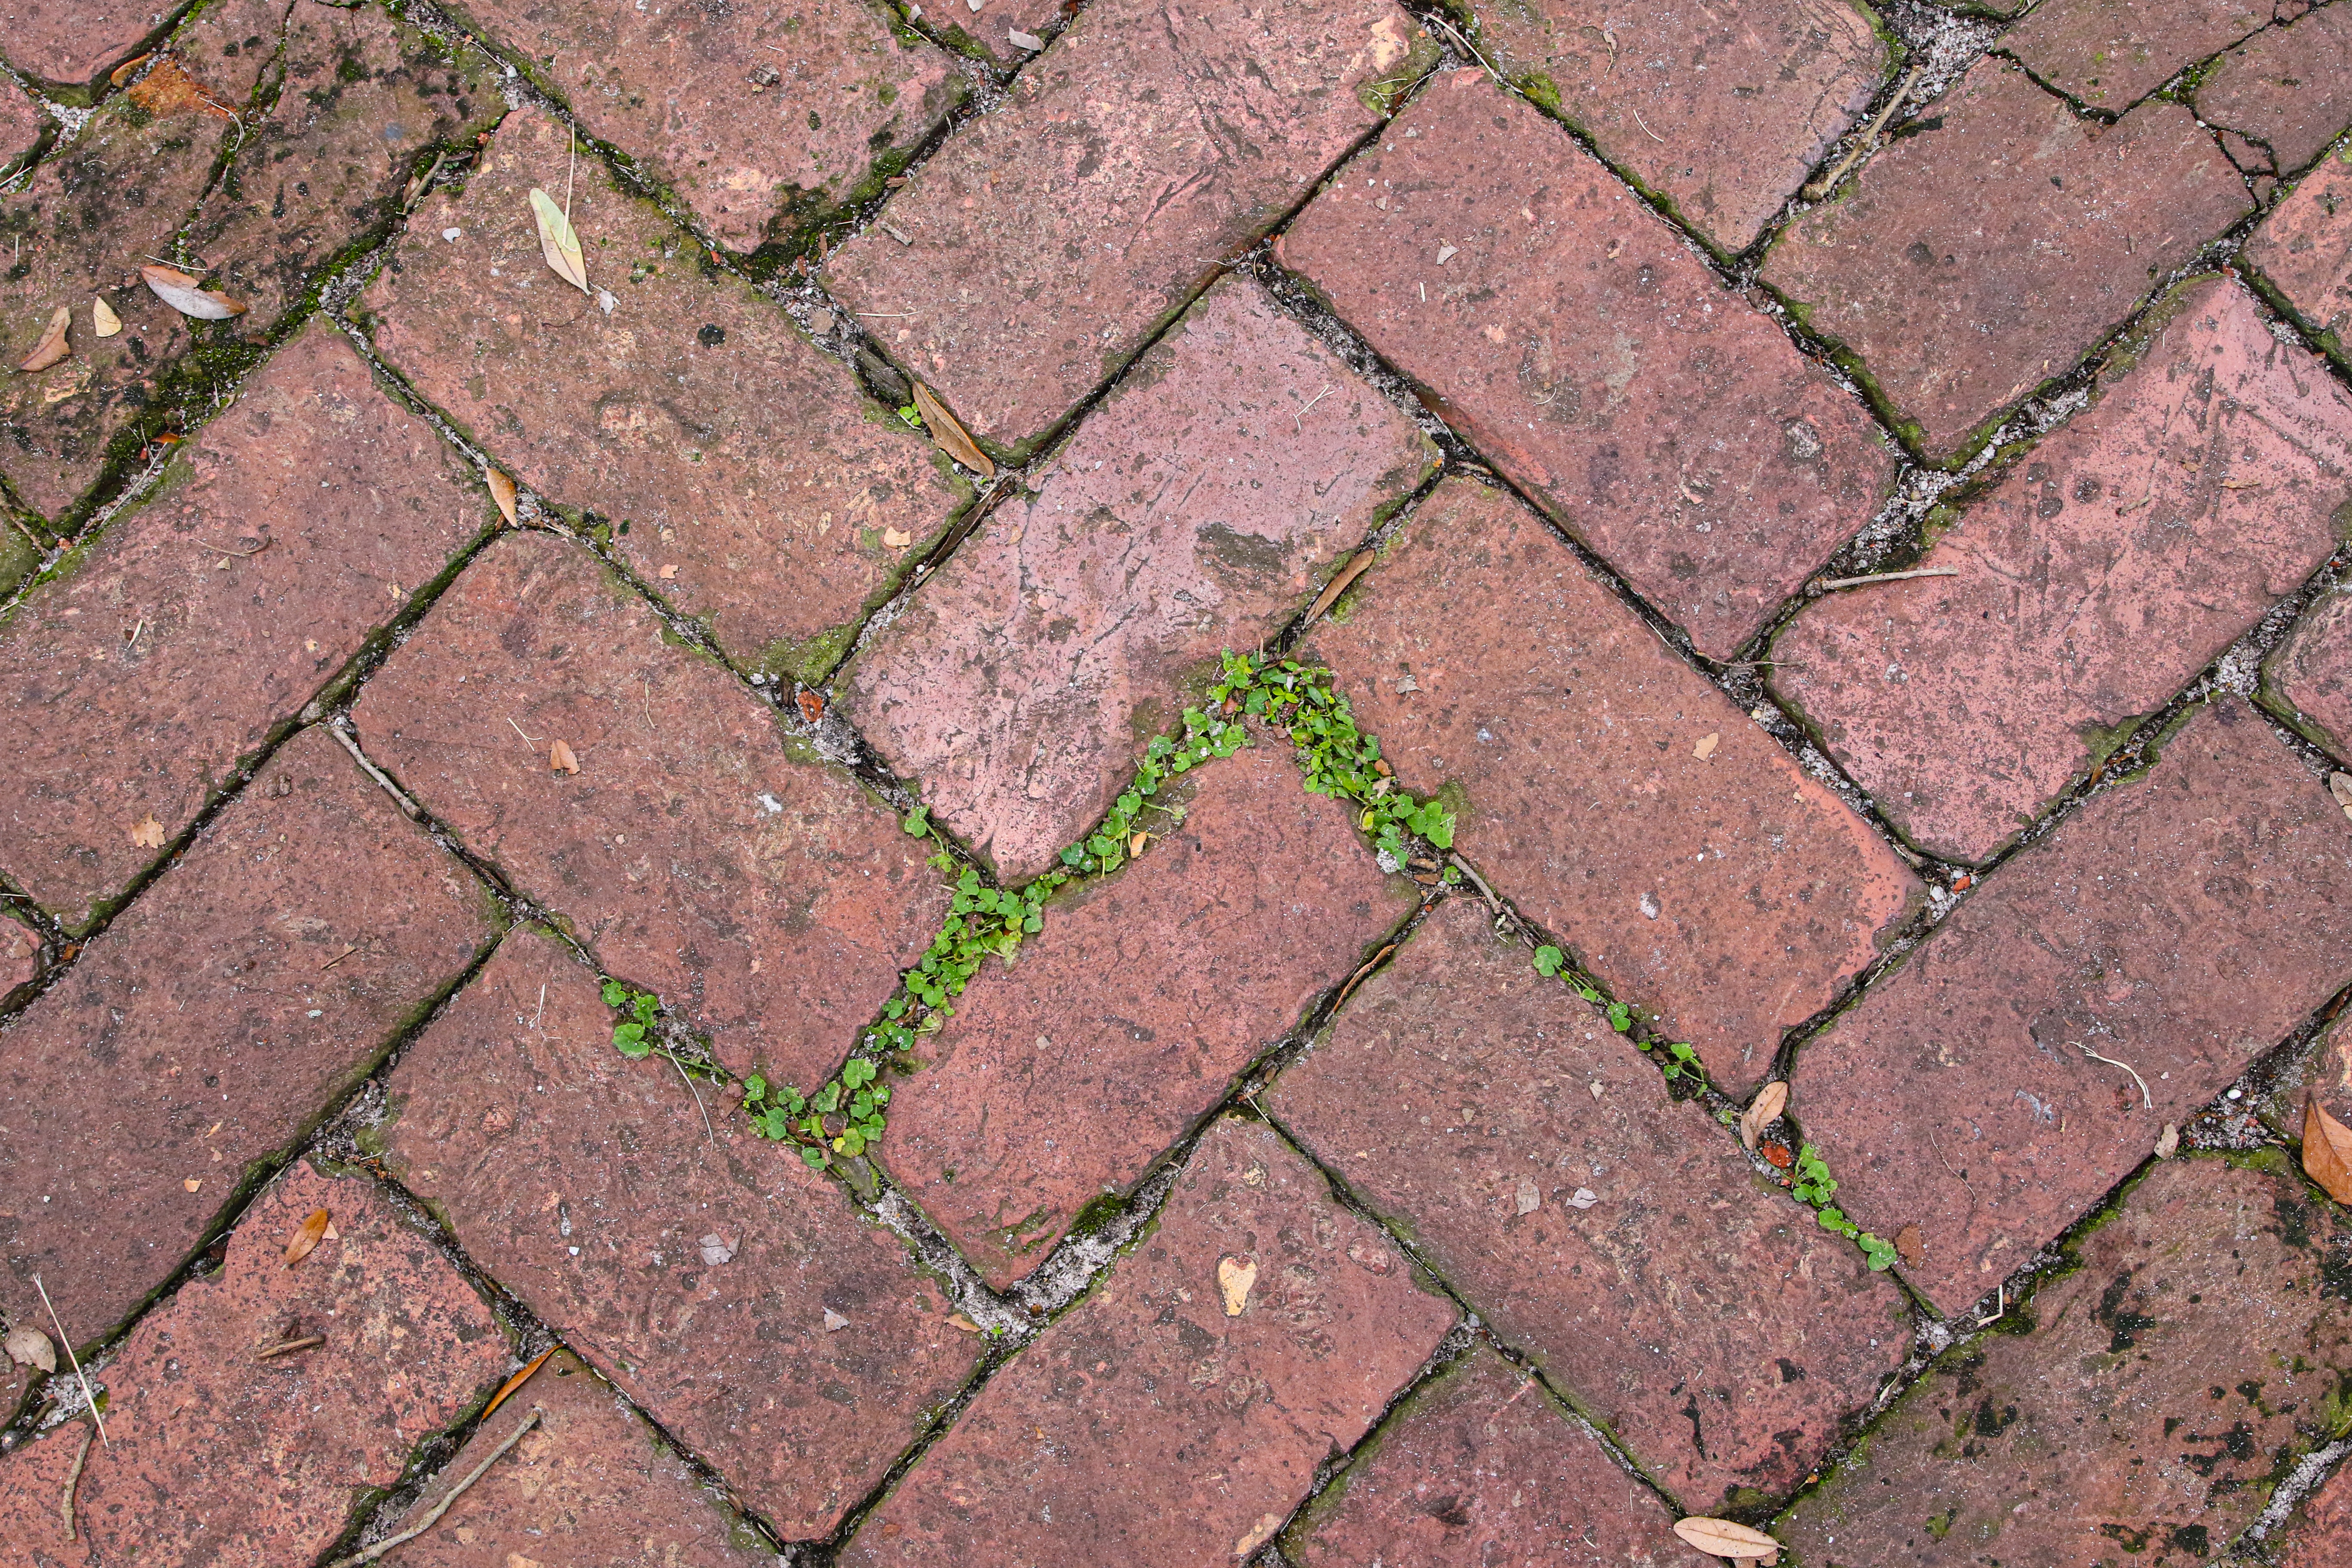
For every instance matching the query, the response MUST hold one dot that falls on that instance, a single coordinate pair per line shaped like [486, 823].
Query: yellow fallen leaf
[951, 436]
[306, 1236]
[557, 241]
[53, 346]
[1706, 747]
[188, 296]
[1722, 1537]
[897, 538]
[669, 572]
[1768, 1103]
[559, 758]
[1135, 843]
[502, 490]
[102, 318]
[959, 1321]
[1234, 1278]
[193, 1183]
[149, 833]
[2326, 1151]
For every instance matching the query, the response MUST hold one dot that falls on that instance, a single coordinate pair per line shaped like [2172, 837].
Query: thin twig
[73, 1479]
[377, 774]
[339, 958]
[74, 1361]
[2148, 1100]
[697, 1099]
[1300, 416]
[572, 162]
[1645, 125]
[1828, 585]
[1356, 978]
[1474, 54]
[2001, 1309]
[433, 1515]
[1816, 189]
[1493, 903]
[526, 738]
[289, 1347]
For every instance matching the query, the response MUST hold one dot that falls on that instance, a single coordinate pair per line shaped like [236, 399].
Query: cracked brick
[2110, 53]
[2304, 250]
[2307, 680]
[2288, 88]
[2321, 1533]
[70, 41]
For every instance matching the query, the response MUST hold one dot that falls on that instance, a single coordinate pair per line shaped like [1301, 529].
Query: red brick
[1046, 240]
[586, 1183]
[762, 123]
[1017, 685]
[1148, 1426]
[71, 41]
[2110, 566]
[20, 955]
[1727, 892]
[1722, 114]
[2145, 1403]
[1571, 334]
[700, 851]
[2288, 88]
[2110, 53]
[1481, 1466]
[2182, 923]
[591, 1483]
[991, 24]
[2304, 250]
[747, 477]
[1976, 261]
[2308, 680]
[215, 1455]
[1142, 1000]
[138, 681]
[2322, 1534]
[202, 1035]
[21, 123]
[1617, 1237]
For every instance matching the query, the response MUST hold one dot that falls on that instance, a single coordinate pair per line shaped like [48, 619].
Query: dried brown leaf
[897, 538]
[812, 705]
[557, 240]
[188, 296]
[27, 1346]
[951, 436]
[121, 73]
[1234, 1278]
[1771, 1100]
[1338, 586]
[957, 1321]
[559, 758]
[1722, 1537]
[149, 833]
[168, 90]
[516, 1380]
[53, 346]
[2326, 1151]
[1706, 744]
[502, 490]
[306, 1236]
[102, 318]
[1910, 1245]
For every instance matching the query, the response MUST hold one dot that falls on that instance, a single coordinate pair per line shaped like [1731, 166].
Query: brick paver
[71, 40]
[20, 955]
[1156, 1424]
[1615, 1237]
[2304, 250]
[1193, 511]
[1049, 239]
[21, 123]
[1142, 1000]
[1980, 257]
[592, 1483]
[1484, 1466]
[763, 118]
[2322, 1534]
[1722, 114]
[1623, 802]
[1572, 334]
[2144, 1403]
[797, 1351]
[737, 469]
[2309, 678]
[204, 1034]
[217, 1452]
[2182, 923]
[2288, 88]
[137, 680]
[2110, 53]
[697, 851]
[2095, 581]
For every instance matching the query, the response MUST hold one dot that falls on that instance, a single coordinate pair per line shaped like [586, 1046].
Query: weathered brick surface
[2288, 88]
[1975, 260]
[1140, 1001]
[1724, 114]
[215, 1455]
[1152, 1427]
[203, 1032]
[1047, 239]
[2309, 678]
[697, 851]
[1482, 1466]
[71, 40]
[2322, 1534]
[1196, 507]
[2304, 249]
[990, 24]
[763, 118]
[1615, 1237]
[1623, 802]
[741, 472]
[2182, 923]
[20, 955]
[21, 123]
[285, 537]
[2110, 53]
[589, 1185]
[592, 1483]
[2166, 1385]
[1572, 336]
[2123, 555]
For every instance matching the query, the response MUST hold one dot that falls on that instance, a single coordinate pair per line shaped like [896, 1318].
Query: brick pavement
[1181, 985]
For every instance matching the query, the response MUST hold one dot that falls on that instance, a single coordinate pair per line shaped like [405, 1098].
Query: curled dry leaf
[121, 73]
[812, 705]
[188, 296]
[559, 758]
[27, 1346]
[1234, 1278]
[53, 346]
[168, 90]
[516, 1380]
[102, 318]
[951, 436]
[149, 833]
[897, 538]
[557, 241]
[962, 1324]
[502, 490]
[2326, 1151]
[1771, 1100]
[1338, 586]
[306, 1236]
[1722, 1537]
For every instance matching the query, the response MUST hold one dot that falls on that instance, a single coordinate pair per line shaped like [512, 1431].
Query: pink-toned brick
[2308, 679]
[1623, 802]
[2304, 250]
[2321, 1535]
[21, 123]
[1193, 510]
[2111, 564]
[2110, 53]
[1615, 1237]
[205, 1033]
[992, 23]
[20, 955]
[1047, 240]
[216, 1454]
[765, 119]
[1977, 260]
[739, 471]
[1569, 335]
[697, 851]
[1151, 1425]
[70, 41]
[2182, 923]
[589, 1185]
[1723, 114]
[592, 1483]
[138, 680]
[1483, 1467]
[2288, 88]
[2139, 1409]
[1142, 1000]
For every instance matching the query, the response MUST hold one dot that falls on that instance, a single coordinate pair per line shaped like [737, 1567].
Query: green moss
[1382, 93]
